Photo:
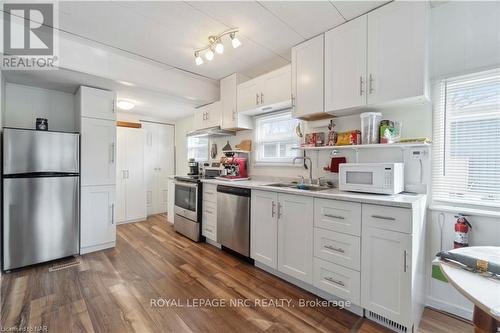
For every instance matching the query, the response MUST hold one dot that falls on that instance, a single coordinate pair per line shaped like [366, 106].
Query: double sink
[303, 187]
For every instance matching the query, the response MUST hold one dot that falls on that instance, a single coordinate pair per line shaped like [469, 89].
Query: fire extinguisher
[462, 228]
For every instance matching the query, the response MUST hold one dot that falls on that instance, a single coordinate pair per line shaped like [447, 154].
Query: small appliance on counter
[379, 178]
[212, 170]
[235, 168]
[194, 167]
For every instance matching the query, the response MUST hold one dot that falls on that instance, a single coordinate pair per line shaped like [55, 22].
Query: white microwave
[380, 178]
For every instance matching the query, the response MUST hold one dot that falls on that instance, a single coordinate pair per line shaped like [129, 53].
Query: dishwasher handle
[242, 192]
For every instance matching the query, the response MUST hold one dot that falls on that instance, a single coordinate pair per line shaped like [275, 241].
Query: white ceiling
[154, 104]
[169, 31]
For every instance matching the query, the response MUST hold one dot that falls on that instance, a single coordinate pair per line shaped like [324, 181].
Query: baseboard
[131, 221]
[450, 308]
[95, 248]
[356, 309]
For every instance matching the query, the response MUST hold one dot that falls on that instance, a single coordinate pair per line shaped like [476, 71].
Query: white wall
[182, 126]
[23, 104]
[465, 38]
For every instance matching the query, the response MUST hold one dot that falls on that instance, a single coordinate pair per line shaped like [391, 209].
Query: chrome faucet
[305, 158]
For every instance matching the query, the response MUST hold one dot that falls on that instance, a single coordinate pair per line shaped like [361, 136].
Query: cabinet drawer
[337, 280]
[209, 231]
[338, 248]
[341, 216]
[210, 192]
[209, 208]
[388, 218]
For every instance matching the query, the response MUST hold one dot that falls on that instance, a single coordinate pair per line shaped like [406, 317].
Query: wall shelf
[405, 145]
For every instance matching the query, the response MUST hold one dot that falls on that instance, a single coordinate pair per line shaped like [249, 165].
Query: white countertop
[405, 200]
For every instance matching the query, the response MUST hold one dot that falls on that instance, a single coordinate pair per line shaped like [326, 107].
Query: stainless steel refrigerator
[41, 196]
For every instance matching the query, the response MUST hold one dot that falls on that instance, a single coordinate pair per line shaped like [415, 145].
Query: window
[275, 137]
[466, 149]
[197, 148]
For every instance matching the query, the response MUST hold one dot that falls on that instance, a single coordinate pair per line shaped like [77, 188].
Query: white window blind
[275, 137]
[466, 148]
[197, 148]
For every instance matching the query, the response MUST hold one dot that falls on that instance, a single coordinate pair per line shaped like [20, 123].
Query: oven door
[362, 178]
[186, 200]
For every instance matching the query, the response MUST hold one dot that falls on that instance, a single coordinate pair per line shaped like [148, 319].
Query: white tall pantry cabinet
[98, 164]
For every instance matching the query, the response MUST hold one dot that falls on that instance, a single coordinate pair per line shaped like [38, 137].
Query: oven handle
[186, 184]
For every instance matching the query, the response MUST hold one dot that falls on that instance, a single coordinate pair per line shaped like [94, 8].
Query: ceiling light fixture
[197, 59]
[125, 105]
[215, 44]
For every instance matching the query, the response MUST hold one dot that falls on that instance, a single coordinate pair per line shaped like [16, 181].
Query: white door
[121, 175]
[386, 274]
[307, 77]
[97, 103]
[345, 66]
[150, 165]
[248, 95]
[276, 86]
[97, 218]
[228, 101]
[295, 236]
[135, 186]
[98, 145]
[396, 51]
[264, 228]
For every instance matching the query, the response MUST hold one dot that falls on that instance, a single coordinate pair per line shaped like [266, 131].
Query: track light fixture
[215, 44]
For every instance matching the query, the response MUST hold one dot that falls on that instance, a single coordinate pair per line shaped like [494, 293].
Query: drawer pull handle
[209, 193]
[208, 211]
[336, 249]
[335, 216]
[340, 283]
[380, 217]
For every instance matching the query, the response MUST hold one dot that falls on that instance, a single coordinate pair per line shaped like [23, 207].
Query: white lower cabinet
[338, 248]
[337, 280]
[209, 212]
[295, 236]
[98, 229]
[264, 228]
[386, 274]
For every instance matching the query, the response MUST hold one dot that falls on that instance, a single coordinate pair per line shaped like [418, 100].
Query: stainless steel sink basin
[302, 187]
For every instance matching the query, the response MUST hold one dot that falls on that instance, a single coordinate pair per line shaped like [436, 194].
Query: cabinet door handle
[257, 99]
[261, 98]
[293, 101]
[113, 106]
[335, 216]
[371, 79]
[113, 213]
[234, 114]
[405, 261]
[330, 279]
[112, 153]
[336, 249]
[128, 174]
[208, 115]
[380, 217]
[361, 86]
[279, 210]
[273, 209]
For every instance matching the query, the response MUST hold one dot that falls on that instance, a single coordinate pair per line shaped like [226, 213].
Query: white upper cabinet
[397, 51]
[378, 58]
[96, 103]
[208, 116]
[98, 152]
[345, 66]
[266, 93]
[307, 79]
[231, 119]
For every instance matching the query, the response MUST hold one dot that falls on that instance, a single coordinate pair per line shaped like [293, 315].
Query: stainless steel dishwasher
[233, 218]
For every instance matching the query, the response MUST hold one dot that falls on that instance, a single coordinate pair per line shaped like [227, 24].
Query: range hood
[211, 131]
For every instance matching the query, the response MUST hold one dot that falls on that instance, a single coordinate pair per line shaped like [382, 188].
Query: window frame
[259, 159]
[188, 150]
[444, 120]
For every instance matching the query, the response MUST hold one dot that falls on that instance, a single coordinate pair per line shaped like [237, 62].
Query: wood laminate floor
[112, 291]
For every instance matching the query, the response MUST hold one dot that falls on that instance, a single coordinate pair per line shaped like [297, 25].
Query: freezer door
[41, 220]
[29, 151]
